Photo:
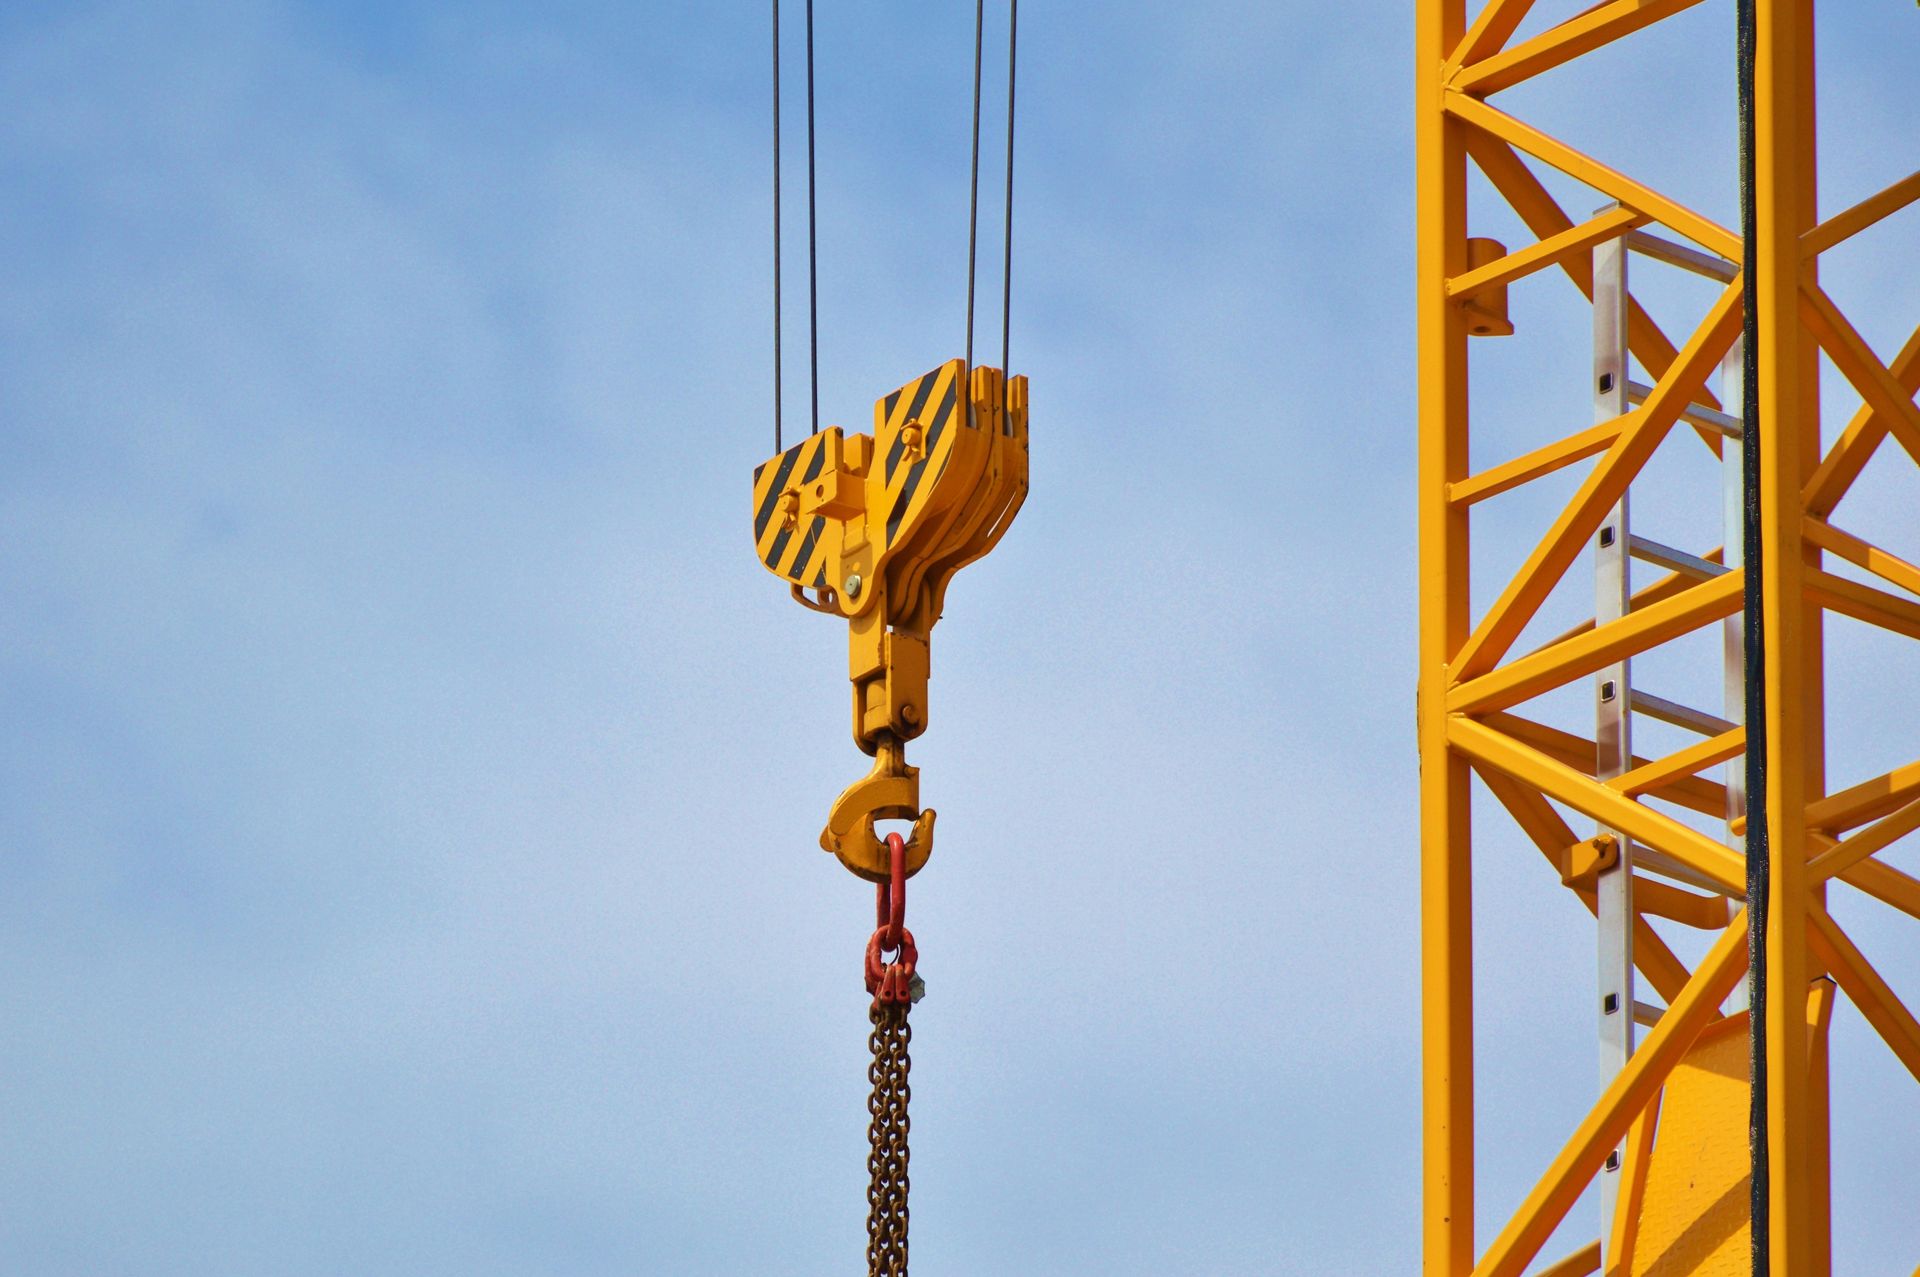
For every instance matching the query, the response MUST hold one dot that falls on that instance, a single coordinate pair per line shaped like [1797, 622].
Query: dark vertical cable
[1759, 850]
[973, 201]
[777, 444]
[813, 277]
[1006, 273]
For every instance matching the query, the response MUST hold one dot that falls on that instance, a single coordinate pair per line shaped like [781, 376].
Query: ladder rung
[1648, 860]
[1698, 414]
[1694, 720]
[1673, 560]
[1711, 265]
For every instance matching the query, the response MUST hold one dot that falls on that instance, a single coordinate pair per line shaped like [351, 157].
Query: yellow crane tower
[1701, 803]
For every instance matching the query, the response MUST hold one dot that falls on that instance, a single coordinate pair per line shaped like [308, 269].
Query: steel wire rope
[777, 443]
[973, 198]
[813, 270]
[813, 276]
[1006, 271]
[973, 216]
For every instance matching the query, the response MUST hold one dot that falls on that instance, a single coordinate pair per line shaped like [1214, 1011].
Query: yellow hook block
[873, 528]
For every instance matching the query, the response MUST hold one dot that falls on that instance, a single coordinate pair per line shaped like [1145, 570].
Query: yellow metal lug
[1583, 862]
[1487, 309]
[839, 490]
[859, 453]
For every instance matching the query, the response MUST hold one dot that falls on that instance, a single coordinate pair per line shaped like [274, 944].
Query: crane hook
[891, 791]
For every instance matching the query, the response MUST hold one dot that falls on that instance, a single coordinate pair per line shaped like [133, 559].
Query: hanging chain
[895, 986]
[887, 1133]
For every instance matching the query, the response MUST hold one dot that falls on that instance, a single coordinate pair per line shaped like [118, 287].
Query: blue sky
[408, 780]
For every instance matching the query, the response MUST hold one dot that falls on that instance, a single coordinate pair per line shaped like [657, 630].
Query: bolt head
[852, 587]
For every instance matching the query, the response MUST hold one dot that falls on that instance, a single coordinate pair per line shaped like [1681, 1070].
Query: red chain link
[890, 980]
[893, 985]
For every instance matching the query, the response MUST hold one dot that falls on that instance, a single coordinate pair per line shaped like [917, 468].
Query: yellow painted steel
[1694, 1219]
[1680, 1102]
[1788, 358]
[1819, 1152]
[1624, 1226]
[872, 528]
[1446, 887]
[1579, 1264]
[1691, 1217]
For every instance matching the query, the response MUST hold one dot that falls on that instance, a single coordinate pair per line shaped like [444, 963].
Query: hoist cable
[973, 218]
[777, 444]
[813, 278]
[1759, 842]
[973, 199]
[1006, 273]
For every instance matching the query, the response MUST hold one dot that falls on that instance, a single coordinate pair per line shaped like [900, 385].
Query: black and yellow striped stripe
[795, 551]
[934, 402]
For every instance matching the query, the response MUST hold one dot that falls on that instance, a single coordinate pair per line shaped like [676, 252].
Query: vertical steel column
[1446, 923]
[1788, 768]
[1612, 699]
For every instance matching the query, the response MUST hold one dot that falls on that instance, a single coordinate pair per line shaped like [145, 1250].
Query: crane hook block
[872, 528]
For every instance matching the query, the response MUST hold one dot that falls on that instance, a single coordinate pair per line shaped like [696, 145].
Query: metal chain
[895, 985]
[887, 1134]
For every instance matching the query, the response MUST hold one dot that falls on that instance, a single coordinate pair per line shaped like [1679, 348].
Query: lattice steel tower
[1730, 828]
